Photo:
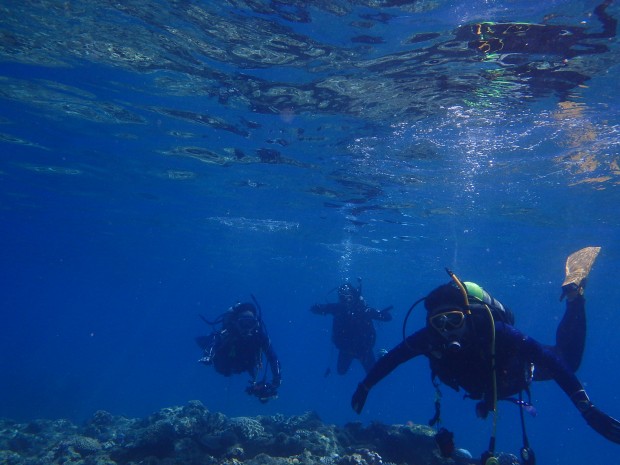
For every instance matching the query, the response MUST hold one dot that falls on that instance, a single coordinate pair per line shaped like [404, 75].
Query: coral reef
[192, 435]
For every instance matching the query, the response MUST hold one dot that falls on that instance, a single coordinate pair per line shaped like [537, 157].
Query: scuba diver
[471, 343]
[238, 345]
[353, 332]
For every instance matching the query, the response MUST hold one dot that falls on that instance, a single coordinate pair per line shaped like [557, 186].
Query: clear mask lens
[448, 321]
[247, 325]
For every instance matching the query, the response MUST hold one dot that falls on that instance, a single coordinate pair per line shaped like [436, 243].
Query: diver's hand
[269, 392]
[359, 397]
[602, 423]
[264, 391]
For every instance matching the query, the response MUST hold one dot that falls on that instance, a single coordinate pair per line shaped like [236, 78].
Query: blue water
[163, 160]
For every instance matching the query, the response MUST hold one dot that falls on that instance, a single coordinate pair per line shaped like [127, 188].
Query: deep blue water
[162, 160]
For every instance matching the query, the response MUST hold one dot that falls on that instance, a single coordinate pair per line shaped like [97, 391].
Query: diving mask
[448, 321]
[450, 324]
[246, 323]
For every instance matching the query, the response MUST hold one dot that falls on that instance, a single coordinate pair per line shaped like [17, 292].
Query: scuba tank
[478, 297]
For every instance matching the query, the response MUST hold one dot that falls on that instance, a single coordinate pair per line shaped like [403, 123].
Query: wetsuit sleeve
[543, 357]
[325, 309]
[411, 347]
[381, 315]
[602, 423]
[414, 345]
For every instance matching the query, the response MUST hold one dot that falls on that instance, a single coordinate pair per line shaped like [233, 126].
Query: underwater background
[163, 160]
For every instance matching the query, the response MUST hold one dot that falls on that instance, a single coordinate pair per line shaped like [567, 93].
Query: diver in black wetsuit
[471, 343]
[353, 332]
[238, 346]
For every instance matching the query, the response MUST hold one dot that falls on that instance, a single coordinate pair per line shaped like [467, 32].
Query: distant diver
[353, 331]
[238, 345]
[471, 343]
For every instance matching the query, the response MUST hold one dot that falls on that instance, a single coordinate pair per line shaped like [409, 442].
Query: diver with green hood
[472, 344]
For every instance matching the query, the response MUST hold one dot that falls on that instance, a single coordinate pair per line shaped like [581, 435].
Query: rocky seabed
[193, 435]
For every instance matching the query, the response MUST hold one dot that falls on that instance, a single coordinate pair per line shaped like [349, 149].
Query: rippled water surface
[164, 159]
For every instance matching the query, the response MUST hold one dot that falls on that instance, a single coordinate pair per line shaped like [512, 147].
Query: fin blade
[579, 264]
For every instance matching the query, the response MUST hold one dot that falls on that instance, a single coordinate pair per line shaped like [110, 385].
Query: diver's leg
[570, 337]
[344, 362]
[368, 360]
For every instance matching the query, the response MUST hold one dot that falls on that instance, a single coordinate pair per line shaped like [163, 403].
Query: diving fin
[578, 266]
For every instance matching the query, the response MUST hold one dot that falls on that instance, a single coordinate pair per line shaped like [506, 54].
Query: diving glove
[603, 424]
[578, 266]
[599, 421]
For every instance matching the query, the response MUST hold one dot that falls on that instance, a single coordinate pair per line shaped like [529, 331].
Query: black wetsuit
[469, 368]
[353, 332]
[234, 353]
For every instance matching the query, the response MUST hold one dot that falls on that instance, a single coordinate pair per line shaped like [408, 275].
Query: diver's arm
[380, 315]
[325, 309]
[274, 363]
[411, 347]
[261, 389]
[272, 358]
[602, 423]
[599, 421]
